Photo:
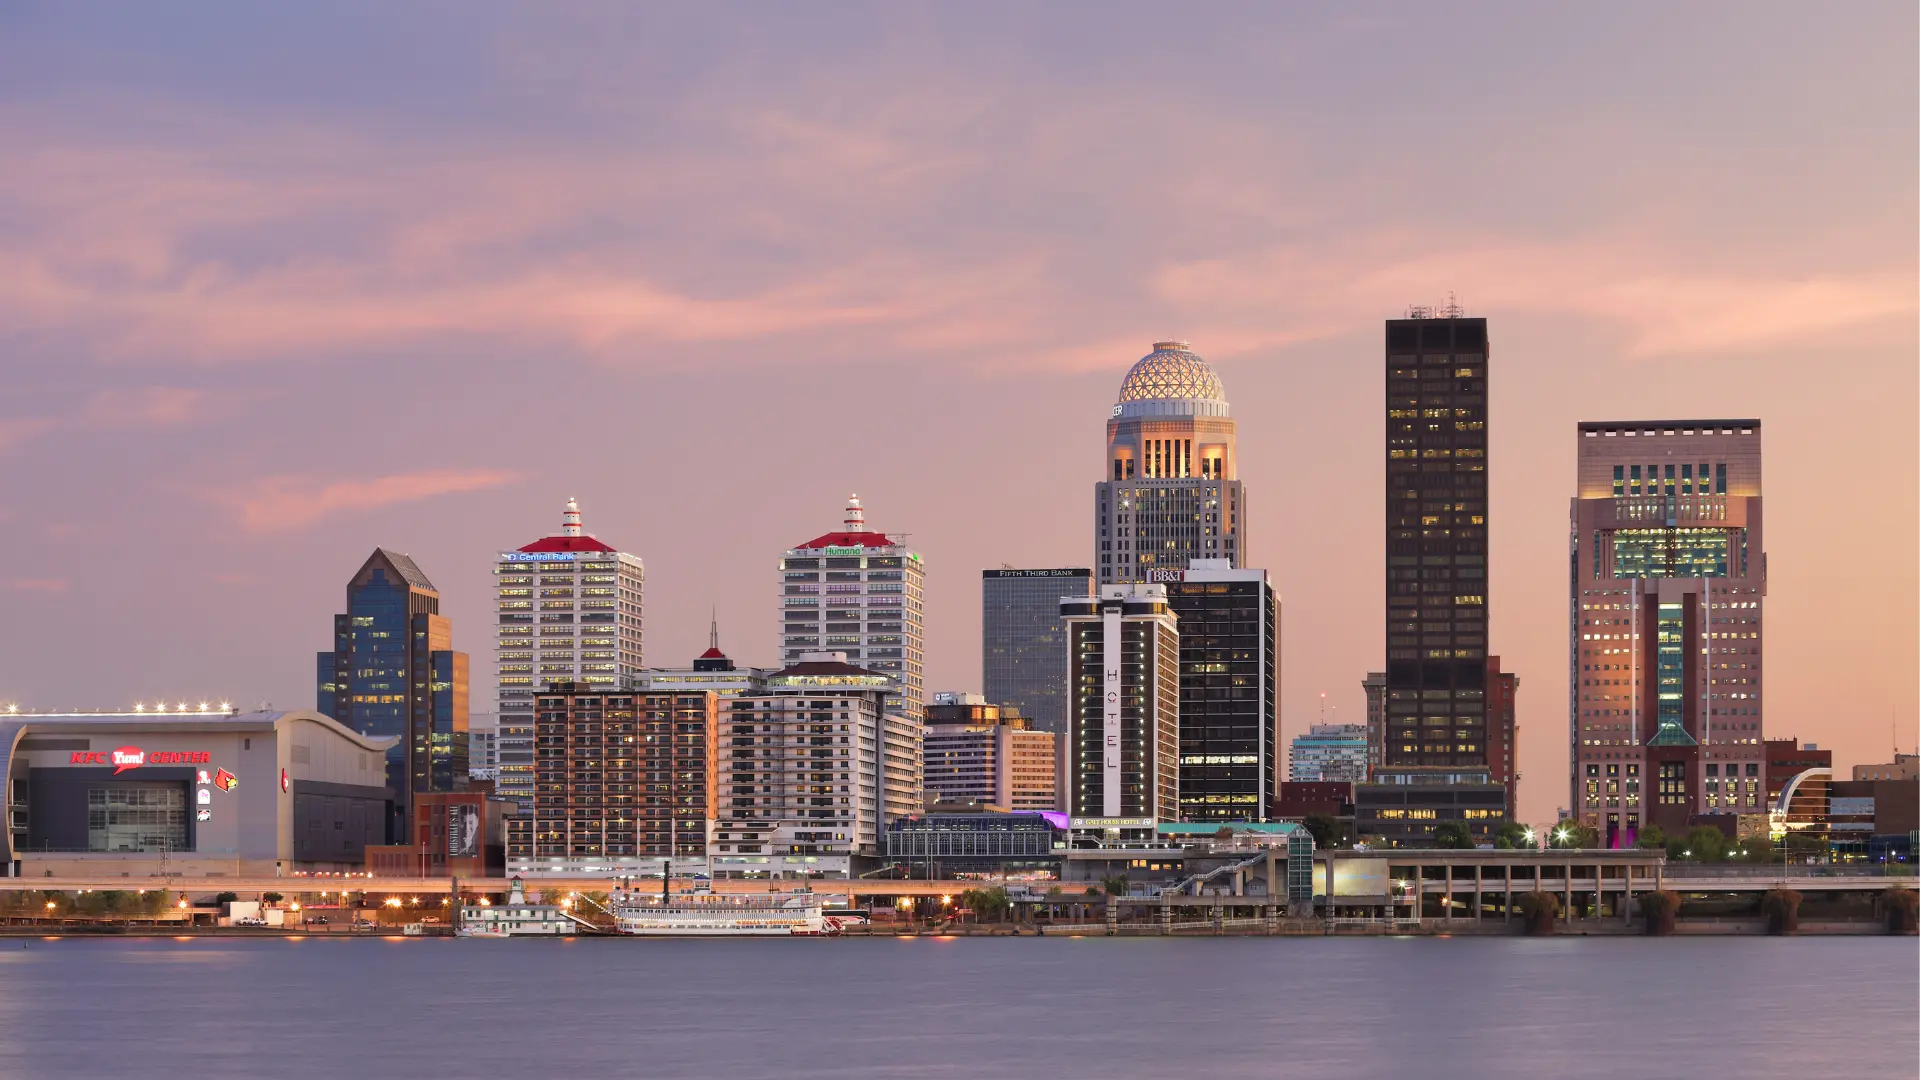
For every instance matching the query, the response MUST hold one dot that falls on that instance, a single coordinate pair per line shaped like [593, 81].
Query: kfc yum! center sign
[132, 757]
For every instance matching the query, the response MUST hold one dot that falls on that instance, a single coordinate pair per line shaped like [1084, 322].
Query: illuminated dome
[1171, 381]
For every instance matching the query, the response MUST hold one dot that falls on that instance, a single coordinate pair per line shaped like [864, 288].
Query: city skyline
[716, 268]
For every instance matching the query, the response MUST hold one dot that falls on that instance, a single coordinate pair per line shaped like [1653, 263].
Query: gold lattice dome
[1171, 372]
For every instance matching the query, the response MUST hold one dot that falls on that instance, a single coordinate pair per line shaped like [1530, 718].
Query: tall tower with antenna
[569, 610]
[859, 592]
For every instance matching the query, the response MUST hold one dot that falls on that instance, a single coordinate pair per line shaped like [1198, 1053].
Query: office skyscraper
[1170, 495]
[1023, 642]
[1229, 626]
[1123, 744]
[1436, 739]
[1668, 575]
[569, 611]
[1437, 595]
[393, 672]
[869, 588]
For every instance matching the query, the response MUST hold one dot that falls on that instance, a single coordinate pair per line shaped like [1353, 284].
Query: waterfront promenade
[1401, 891]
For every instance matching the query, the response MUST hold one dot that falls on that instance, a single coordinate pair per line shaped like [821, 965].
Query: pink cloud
[1678, 310]
[16, 431]
[156, 406]
[385, 245]
[46, 585]
[280, 504]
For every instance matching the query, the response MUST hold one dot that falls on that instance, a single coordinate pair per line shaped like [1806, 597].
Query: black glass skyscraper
[1436, 391]
[1229, 690]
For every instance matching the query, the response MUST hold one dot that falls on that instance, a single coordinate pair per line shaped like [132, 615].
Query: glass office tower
[1023, 640]
[393, 672]
[1229, 623]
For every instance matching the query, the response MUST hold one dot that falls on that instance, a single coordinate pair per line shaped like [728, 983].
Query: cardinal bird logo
[226, 780]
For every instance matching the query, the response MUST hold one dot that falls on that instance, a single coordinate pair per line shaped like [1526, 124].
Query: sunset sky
[279, 285]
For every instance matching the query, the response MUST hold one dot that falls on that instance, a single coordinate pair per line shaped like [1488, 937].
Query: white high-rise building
[569, 611]
[1123, 732]
[810, 770]
[860, 593]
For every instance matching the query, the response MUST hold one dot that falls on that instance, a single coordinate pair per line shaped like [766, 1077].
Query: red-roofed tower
[859, 592]
[569, 611]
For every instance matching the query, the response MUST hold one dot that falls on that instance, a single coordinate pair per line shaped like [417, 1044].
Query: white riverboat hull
[727, 920]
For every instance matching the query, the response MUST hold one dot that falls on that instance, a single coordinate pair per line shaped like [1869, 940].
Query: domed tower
[1171, 494]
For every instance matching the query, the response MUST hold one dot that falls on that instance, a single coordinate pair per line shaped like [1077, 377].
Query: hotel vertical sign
[1110, 729]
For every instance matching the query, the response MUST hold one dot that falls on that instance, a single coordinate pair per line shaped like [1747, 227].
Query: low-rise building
[1902, 767]
[1786, 759]
[981, 753]
[195, 793]
[1403, 806]
[1329, 752]
[1305, 798]
[935, 844]
[460, 834]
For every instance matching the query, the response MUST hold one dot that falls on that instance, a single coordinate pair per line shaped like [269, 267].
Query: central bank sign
[537, 556]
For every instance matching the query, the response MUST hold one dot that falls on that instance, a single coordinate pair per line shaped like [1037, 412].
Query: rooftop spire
[856, 517]
[713, 630]
[570, 521]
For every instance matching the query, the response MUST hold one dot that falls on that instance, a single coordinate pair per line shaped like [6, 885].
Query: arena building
[195, 793]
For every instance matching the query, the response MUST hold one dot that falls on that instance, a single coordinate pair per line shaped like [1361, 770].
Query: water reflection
[885, 1007]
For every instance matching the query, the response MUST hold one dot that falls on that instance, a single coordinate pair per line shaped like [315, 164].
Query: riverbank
[1284, 928]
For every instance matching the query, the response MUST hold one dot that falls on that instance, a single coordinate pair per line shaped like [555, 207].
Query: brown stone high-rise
[1668, 577]
[623, 782]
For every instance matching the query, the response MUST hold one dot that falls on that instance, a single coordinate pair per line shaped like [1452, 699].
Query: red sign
[132, 757]
[226, 780]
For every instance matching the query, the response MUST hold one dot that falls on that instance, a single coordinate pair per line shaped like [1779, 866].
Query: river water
[851, 1009]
